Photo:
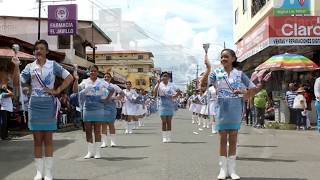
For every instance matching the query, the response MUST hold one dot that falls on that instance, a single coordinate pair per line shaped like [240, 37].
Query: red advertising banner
[294, 26]
[280, 31]
[253, 42]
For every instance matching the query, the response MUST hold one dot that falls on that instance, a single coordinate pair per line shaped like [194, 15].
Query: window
[244, 6]
[236, 16]
[120, 68]
[108, 57]
[125, 68]
[140, 69]
[140, 57]
[63, 42]
[140, 82]
[256, 6]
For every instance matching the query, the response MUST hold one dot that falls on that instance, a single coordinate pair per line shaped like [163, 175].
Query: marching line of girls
[96, 97]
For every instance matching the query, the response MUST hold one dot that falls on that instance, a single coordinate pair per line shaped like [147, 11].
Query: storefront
[277, 35]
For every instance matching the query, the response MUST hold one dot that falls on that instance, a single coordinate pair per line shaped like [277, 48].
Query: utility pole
[197, 75]
[39, 19]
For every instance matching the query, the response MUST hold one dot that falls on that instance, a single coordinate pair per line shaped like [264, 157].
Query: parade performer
[212, 97]
[93, 92]
[130, 107]
[167, 93]
[204, 108]
[231, 84]
[110, 114]
[194, 106]
[43, 106]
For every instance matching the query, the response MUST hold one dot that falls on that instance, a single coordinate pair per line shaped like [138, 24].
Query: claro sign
[300, 28]
[294, 30]
[280, 31]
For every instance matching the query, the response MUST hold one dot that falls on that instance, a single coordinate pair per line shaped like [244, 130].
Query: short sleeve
[25, 75]
[82, 85]
[212, 78]
[59, 71]
[246, 81]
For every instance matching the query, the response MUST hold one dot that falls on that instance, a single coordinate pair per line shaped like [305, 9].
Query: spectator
[308, 95]
[6, 110]
[260, 101]
[290, 95]
[300, 107]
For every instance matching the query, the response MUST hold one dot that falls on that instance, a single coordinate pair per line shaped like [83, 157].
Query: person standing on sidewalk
[93, 92]
[260, 102]
[167, 93]
[290, 95]
[317, 103]
[300, 107]
[6, 109]
[44, 105]
[231, 84]
[110, 109]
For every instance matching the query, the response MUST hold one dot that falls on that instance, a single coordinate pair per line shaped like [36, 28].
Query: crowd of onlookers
[298, 99]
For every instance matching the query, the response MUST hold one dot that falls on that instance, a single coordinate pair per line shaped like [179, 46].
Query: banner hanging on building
[291, 7]
[62, 19]
[294, 30]
[280, 31]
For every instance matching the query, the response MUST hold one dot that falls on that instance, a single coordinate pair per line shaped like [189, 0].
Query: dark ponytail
[233, 54]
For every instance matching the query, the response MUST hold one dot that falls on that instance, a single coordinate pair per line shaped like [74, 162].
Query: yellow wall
[127, 65]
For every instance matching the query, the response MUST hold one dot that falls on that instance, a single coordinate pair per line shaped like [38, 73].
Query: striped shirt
[290, 95]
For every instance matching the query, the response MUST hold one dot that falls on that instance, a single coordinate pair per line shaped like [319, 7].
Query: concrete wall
[245, 20]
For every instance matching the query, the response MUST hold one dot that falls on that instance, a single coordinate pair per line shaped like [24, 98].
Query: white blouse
[47, 74]
[317, 88]
[166, 90]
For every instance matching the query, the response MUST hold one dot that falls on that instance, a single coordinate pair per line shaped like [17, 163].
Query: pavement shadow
[123, 158]
[69, 179]
[264, 159]
[256, 146]
[265, 178]
[145, 133]
[177, 142]
[129, 147]
[15, 155]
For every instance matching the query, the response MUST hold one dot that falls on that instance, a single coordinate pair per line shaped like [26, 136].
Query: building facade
[136, 66]
[263, 28]
[74, 47]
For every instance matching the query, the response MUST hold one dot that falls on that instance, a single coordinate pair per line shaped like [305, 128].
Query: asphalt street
[263, 154]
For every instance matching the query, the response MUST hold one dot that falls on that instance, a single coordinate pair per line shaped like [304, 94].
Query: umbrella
[288, 61]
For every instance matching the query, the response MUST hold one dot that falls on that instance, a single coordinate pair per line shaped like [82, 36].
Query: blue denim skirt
[42, 114]
[110, 111]
[166, 106]
[93, 109]
[228, 113]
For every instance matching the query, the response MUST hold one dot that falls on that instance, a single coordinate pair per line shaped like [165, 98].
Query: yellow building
[263, 28]
[136, 66]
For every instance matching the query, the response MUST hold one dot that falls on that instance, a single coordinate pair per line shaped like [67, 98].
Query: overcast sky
[189, 23]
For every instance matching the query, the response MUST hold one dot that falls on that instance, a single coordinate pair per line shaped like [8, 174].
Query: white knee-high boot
[232, 167]
[97, 150]
[39, 162]
[213, 126]
[104, 140]
[223, 168]
[169, 136]
[164, 136]
[112, 140]
[48, 164]
[193, 119]
[90, 153]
